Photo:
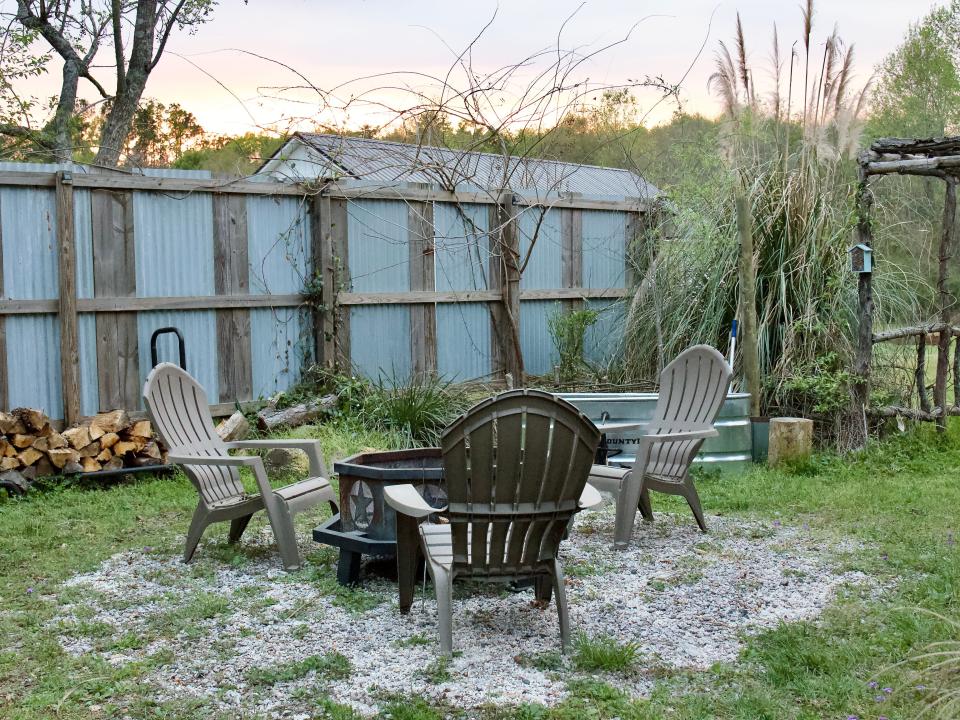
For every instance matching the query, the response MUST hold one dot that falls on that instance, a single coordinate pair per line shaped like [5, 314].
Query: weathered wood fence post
[508, 315]
[67, 304]
[748, 306]
[423, 316]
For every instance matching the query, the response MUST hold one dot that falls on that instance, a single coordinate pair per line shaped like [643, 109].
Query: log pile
[109, 441]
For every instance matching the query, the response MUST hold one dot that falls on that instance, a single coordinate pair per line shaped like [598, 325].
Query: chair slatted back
[515, 467]
[180, 412]
[692, 390]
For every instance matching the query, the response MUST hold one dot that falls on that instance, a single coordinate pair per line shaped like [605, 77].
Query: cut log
[113, 463]
[46, 431]
[791, 441]
[10, 425]
[29, 456]
[96, 432]
[123, 447]
[143, 461]
[30, 473]
[104, 456]
[33, 419]
[23, 441]
[43, 467]
[62, 456]
[270, 419]
[90, 465]
[113, 421]
[9, 463]
[109, 440]
[236, 427]
[72, 468]
[9, 450]
[50, 442]
[78, 437]
[151, 450]
[140, 429]
[91, 450]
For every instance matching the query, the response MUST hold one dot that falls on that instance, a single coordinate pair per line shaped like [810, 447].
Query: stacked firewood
[108, 441]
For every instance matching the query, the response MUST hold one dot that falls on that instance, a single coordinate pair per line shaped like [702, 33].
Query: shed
[417, 234]
[357, 161]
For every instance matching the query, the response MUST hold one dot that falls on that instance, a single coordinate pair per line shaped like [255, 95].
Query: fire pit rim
[354, 466]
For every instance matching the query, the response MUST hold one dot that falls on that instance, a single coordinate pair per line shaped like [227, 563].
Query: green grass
[898, 500]
[331, 666]
[603, 654]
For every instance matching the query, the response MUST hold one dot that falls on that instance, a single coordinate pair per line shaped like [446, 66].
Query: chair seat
[305, 492]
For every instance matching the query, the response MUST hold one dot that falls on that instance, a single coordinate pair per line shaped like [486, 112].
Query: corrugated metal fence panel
[462, 262]
[544, 269]
[605, 336]
[280, 341]
[28, 228]
[463, 341]
[378, 250]
[539, 353]
[604, 248]
[199, 328]
[279, 255]
[174, 244]
[29, 220]
[462, 249]
[278, 246]
[380, 340]
[87, 322]
[33, 363]
[379, 257]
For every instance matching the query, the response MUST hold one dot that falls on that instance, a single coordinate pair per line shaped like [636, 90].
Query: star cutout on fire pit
[360, 501]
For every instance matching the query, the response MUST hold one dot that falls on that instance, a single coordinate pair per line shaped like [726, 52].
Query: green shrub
[568, 329]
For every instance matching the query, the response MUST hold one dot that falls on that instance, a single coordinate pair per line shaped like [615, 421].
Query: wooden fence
[117, 255]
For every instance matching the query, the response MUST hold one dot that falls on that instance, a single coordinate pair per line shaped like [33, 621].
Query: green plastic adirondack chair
[516, 469]
[178, 407]
[692, 390]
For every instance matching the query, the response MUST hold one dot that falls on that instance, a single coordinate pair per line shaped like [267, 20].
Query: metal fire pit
[366, 525]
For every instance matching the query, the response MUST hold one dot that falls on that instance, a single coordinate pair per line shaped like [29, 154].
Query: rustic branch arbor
[937, 157]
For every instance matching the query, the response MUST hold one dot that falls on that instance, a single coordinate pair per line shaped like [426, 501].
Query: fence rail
[263, 277]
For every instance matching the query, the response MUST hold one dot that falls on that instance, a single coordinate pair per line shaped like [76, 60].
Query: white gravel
[685, 598]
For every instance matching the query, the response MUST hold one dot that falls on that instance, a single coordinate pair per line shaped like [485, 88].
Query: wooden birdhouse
[861, 258]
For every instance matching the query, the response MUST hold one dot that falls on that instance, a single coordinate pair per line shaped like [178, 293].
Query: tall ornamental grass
[790, 152]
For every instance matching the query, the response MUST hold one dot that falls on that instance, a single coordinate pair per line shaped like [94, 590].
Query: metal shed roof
[365, 161]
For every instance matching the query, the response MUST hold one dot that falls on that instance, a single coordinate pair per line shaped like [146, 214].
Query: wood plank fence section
[115, 229]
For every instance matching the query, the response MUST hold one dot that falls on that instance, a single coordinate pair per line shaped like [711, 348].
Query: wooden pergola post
[945, 301]
[864, 356]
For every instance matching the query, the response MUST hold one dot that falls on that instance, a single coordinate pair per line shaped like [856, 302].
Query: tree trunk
[116, 127]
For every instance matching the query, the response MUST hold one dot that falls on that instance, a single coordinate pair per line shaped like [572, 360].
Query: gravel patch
[685, 598]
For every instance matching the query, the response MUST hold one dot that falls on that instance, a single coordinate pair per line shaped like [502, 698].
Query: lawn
[888, 514]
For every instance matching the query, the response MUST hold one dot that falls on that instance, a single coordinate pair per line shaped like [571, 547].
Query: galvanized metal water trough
[730, 452]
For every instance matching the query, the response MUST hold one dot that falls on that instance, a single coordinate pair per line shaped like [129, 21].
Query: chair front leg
[281, 520]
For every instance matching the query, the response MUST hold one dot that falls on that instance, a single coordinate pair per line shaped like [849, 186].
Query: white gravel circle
[687, 599]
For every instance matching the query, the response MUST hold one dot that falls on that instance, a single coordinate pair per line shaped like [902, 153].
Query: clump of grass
[438, 671]
[603, 653]
[543, 661]
[332, 666]
[568, 328]
[415, 640]
[937, 667]
[418, 408]
[353, 599]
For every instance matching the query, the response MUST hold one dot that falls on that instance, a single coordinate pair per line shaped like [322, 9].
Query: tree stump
[791, 441]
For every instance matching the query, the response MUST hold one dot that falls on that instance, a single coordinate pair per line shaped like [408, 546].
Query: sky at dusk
[331, 43]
